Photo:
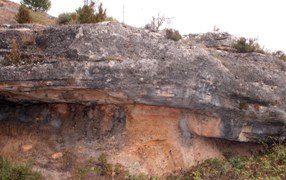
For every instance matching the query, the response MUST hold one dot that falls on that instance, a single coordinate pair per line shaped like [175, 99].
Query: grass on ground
[269, 165]
[41, 18]
[13, 171]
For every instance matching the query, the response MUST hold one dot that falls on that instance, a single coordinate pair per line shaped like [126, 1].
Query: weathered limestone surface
[236, 96]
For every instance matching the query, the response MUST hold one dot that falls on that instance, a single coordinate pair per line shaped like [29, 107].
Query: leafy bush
[280, 54]
[104, 167]
[67, 18]
[100, 16]
[23, 15]
[243, 45]
[14, 171]
[86, 14]
[64, 18]
[37, 5]
[173, 35]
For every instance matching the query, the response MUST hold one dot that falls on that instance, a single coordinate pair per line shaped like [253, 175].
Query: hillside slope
[9, 9]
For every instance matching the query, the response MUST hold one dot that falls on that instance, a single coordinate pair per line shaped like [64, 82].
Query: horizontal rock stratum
[196, 86]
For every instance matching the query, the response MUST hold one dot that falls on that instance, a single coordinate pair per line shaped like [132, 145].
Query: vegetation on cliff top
[280, 54]
[23, 15]
[243, 45]
[93, 13]
[33, 11]
[37, 5]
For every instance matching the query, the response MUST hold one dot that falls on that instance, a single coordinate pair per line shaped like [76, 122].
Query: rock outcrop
[135, 82]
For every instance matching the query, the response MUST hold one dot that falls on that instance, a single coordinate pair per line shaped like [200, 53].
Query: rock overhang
[111, 63]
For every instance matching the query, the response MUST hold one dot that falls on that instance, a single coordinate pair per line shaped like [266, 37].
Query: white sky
[261, 19]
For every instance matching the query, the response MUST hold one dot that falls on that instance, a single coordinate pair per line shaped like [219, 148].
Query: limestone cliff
[154, 94]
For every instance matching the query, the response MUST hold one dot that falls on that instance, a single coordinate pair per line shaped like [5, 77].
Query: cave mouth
[143, 139]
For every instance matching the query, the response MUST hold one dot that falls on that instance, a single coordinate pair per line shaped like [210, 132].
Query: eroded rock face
[111, 63]
[223, 40]
[144, 139]
[198, 91]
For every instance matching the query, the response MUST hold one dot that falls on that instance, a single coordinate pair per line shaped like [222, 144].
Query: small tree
[23, 15]
[156, 23]
[87, 14]
[100, 16]
[37, 5]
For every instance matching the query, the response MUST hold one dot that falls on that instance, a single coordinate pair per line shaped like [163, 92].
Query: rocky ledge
[197, 86]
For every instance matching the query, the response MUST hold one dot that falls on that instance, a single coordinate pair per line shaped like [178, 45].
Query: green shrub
[118, 169]
[100, 16]
[238, 162]
[23, 15]
[64, 18]
[104, 167]
[99, 167]
[280, 54]
[173, 35]
[16, 171]
[243, 45]
[86, 14]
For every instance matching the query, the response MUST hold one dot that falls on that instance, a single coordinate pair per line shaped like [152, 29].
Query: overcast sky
[261, 19]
